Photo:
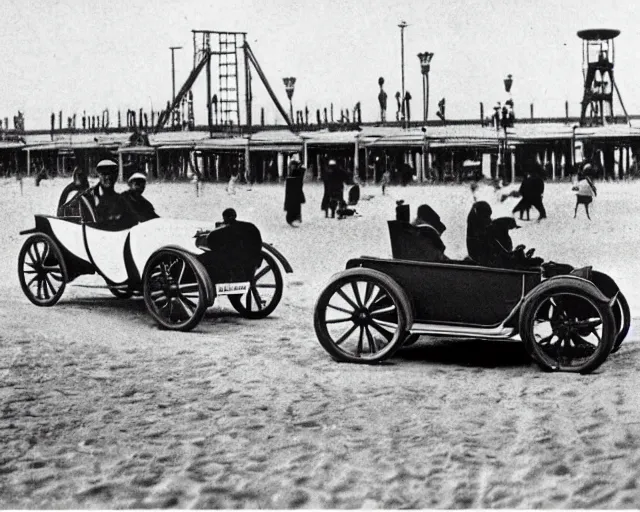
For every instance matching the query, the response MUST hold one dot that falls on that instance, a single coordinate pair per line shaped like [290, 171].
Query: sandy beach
[101, 409]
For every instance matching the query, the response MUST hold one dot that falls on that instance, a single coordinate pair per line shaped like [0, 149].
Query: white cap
[106, 166]
[137, 176]
[294, 158]
[332, 162]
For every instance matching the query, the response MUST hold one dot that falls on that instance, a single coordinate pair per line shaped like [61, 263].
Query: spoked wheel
[622, 316]
[360, 317]
[567, 330]
[42, 270]
[174, 289]
[264, 293]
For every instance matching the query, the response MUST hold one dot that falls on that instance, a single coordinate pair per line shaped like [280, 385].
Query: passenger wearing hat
[334, 179]
[140, 207]
[293, 193]
[430, 228]
[112, 210]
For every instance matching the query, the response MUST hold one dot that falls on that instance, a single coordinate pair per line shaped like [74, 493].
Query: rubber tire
[238, 303]
[57, 253]
[201, 275]
[541, 293]
[381, 280]
[624, 325]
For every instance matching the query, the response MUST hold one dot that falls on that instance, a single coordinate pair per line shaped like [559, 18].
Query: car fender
[570, 281]
[604, 283]
[278, 256]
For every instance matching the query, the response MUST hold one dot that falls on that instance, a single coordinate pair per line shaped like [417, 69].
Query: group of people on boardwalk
[334, 179]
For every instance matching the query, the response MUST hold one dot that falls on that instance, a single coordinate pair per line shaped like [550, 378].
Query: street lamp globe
[289, 86]
[508, 82]
[425, 62]
[425, 66]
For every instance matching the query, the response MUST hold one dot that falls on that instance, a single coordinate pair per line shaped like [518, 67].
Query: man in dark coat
[141, 208]
[526, 196]
[532, 190]
[293, 193]
[334, 180]
[112, 211]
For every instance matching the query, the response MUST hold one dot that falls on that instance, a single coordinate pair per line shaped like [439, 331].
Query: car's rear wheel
[360, 317]
[567, 328]
[175, 289]
[264, 293]
[42, 270]
[622, 316]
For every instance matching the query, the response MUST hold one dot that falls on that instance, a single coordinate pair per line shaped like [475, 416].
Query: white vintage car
[179, 266]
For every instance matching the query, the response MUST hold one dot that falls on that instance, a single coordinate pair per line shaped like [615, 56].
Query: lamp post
[403, 24]
[173, 70]
[506, 117]
[289, 85]
[425, 66]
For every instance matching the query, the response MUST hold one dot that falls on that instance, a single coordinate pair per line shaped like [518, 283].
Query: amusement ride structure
[226, 48]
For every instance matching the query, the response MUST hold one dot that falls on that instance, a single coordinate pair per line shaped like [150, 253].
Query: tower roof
[598, 34]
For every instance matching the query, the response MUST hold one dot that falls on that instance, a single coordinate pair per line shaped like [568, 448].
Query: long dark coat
[334, 180]
[294, 195]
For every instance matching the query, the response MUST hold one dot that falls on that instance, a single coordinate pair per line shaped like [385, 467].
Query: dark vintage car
[179, 266]
[569, 319]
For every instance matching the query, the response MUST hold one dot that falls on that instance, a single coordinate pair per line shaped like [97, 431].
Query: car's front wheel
[41, 270]
[567, 327]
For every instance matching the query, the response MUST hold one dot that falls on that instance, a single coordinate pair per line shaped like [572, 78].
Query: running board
[499, 332]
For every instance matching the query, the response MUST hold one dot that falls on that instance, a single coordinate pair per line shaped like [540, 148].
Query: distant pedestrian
[293, 193]
[334, 179]
[585, 191]
[536, 191]
[385, 180]
[231, 186]
[528, 193]
[353, 195]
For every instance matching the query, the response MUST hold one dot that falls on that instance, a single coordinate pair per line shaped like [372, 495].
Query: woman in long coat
[293, 193]
[334, 180]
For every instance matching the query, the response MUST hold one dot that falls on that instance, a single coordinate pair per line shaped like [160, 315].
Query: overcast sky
[75, 55]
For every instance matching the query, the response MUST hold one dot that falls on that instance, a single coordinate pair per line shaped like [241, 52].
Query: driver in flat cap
[112, 210]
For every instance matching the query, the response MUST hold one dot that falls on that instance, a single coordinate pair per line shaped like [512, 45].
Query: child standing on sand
[385, 180]
[585, 191]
